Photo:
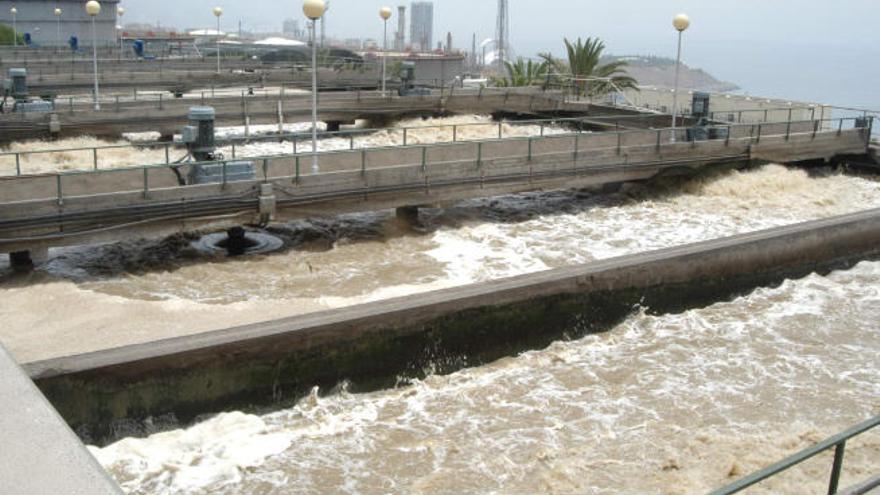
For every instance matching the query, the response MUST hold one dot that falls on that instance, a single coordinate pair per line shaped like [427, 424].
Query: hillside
[660, 71]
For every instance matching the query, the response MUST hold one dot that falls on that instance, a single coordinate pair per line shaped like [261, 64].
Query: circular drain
[237, 242]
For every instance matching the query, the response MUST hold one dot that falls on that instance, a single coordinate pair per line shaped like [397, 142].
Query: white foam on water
[678, 403]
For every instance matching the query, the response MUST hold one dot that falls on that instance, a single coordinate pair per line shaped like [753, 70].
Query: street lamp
[385, 14]
[218, 11]
[14, 11]
[58, 23]
[680, 23]
[314, 9]
[93, 8]
[119, 13]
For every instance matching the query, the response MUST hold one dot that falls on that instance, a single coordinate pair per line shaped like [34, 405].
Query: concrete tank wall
[372, 344]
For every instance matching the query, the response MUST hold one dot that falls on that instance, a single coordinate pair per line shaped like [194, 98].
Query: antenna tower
[502, 34]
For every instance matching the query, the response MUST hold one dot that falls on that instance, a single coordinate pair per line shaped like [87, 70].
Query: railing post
[223, 172]
[454, 133]
[294, 145]
[480, 154]
[351, 141]
[499, 131]
[424, 159]
[576, 143]
[160, 101]
[296, 177]
[840, 127]
[146, 183]
[727, 139]
[18, 164]
[759, 133]
[167, 154]
[95, 158]
[619, 141]
[835, 468]
[58, 190]
[233, 150]
[404, 136]
[659, 134]
[363, 161]
[542, 129]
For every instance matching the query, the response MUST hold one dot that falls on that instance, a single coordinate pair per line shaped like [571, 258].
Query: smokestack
[449, 42]
[400, 37]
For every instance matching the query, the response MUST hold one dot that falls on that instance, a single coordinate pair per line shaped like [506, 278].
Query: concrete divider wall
[373, 344]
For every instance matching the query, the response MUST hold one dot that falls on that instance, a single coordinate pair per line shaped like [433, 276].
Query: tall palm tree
[591, 77]
[523, 73]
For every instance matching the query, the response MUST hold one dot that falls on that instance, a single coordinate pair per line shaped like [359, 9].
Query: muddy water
[661, 404]
[71, 156]
[166, 289]
[679, 403]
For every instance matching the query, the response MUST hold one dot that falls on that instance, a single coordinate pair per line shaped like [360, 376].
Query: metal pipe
[314, 99]
[95, 64]
[384, 53]
[675, 95]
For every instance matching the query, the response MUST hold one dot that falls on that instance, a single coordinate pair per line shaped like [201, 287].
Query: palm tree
[523, 73]
[591, 78]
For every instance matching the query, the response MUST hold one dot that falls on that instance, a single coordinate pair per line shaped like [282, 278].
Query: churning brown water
[676, 403]
[679, 403]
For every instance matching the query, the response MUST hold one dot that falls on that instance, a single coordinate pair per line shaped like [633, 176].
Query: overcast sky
[727, 37]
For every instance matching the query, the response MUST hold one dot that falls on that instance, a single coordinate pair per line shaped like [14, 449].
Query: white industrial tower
[502, 34]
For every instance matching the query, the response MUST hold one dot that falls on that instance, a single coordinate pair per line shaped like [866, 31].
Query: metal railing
[838, 442]
[620, 143]
[16, 158]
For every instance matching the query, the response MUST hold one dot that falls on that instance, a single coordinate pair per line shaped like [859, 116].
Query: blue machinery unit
[199, 139]
[16, 87]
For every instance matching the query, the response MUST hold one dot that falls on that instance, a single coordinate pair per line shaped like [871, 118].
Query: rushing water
[678, 403]
[76, 153]
[166, 288]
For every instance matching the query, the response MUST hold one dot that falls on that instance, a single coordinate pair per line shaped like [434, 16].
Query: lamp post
[93, 8]
[119, 13]
[218, 11]
[58, 23]
[314, 10]
[385, 14]
[14, 11]
[680, 23]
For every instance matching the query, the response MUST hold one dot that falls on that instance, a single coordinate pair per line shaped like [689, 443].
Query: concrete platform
[40, 454]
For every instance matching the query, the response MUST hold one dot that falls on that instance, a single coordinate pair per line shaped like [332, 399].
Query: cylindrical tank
[202, 118]
[19, 89]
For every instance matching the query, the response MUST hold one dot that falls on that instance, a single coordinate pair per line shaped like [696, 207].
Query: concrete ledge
[372, 344]
[40, 454]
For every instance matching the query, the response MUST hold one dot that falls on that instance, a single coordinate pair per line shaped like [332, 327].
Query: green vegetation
[6, 35]
[586, 70]
[523, 73]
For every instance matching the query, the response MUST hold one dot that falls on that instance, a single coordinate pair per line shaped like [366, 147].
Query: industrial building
[421, 34]
[37, 18]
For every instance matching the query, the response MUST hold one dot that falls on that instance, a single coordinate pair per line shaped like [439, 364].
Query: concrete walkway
[40, 454]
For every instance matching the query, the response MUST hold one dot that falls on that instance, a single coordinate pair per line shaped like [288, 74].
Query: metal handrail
[837, 441]
[755, 135]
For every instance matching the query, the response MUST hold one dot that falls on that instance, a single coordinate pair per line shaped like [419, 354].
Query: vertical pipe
[95, 64]
[218, 44]
[314, 99]
[384, 53]
[675, 95]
